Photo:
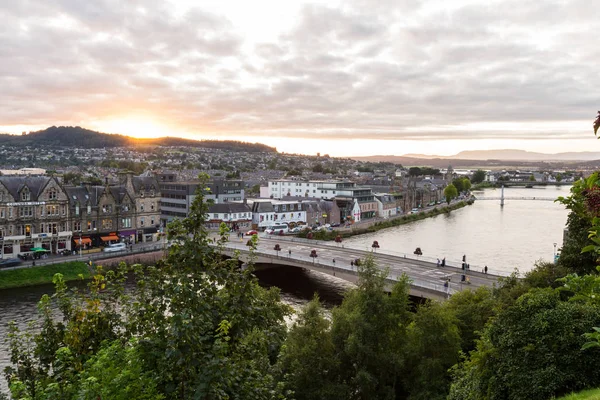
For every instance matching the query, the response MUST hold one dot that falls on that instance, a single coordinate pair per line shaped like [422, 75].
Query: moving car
[251, 232]
[115, 247]
[9, 262]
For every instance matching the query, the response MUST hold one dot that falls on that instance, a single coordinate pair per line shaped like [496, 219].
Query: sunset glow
[313, 76]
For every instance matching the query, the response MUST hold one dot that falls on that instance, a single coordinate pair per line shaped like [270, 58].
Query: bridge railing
[327, 264]
[406, 255]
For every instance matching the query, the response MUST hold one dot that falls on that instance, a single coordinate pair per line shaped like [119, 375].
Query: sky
[345, 78]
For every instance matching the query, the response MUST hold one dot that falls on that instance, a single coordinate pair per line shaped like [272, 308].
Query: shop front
[128, 236]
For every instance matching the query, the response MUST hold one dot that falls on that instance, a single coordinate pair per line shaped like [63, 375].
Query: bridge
[517, 198]
[427, 279]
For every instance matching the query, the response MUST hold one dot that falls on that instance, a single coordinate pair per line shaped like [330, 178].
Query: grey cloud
[381, 69]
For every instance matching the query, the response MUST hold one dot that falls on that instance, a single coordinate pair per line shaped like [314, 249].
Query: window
[141, 206]
[25, 211]
[89, 225]
[142, 221]
[216, 216]
[77, 209]
[25, 195]
[89, 209]
[107, 224]
[2, 213]
[52, 195]
[77, 226]
[152, 206]
[126, 223]
[152, 221]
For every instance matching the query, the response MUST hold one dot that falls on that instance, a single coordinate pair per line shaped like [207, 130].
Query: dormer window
[25, 195]
[77, 209]
[89, 209]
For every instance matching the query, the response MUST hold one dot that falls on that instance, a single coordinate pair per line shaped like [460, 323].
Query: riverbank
[388, 223]
[41, 275]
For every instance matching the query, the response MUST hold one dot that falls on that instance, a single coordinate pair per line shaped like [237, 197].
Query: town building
[33, 214]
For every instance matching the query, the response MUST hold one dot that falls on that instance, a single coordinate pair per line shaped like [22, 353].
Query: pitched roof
[35, 184]
[228, 208]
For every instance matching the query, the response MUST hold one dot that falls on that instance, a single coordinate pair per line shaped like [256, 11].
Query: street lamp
[554, 253]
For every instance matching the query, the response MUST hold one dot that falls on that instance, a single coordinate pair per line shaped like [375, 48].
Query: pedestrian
[438, 262]
[464, 257]
[444, 262]
[468, 267]
[485, 269]
[290, 252]
[242, 235]
[352, 263]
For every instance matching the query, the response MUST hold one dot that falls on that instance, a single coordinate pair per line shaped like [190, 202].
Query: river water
[504, 238]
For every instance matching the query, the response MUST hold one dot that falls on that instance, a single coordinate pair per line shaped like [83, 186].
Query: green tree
[450, 193]
[531, 350]
[458, 184]
[433, 346]
[472, 309]
[414, 171]
[369, 332]
[531, 178]
[317, 168]
[310, 364]
[196, 325]
[559, 177]
[478, 176]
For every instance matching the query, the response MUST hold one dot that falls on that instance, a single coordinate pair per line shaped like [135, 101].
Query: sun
[138, 127]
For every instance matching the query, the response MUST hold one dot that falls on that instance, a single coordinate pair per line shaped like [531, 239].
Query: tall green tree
[369, 334]
[309, 361]
[433, 346]
[450, 193]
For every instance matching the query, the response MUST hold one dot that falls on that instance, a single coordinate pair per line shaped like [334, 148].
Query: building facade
[34, 213]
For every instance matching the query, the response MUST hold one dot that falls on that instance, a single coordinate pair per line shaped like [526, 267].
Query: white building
[267, 212]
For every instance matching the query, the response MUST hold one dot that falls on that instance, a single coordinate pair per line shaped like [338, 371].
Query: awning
[108, 238]
[38, 249]
[83, 241]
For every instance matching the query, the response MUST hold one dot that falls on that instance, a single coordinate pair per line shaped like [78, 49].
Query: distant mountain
[75, 136]
[513, 155]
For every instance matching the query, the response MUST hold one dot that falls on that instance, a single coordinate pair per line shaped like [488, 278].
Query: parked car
[9, 262]
[296, 229]
[115, 247]
[277, 229]
[251, 232]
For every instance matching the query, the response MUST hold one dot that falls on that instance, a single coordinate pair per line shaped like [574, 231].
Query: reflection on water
[503, 238]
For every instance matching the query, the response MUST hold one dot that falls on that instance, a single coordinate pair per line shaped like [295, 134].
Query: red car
[251, 232]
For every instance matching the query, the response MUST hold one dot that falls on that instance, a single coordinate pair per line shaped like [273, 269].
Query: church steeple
[449, 173]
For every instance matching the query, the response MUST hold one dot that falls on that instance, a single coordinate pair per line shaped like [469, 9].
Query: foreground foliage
[195, 326]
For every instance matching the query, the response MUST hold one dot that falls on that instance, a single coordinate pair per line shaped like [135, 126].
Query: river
[513, 236]
[503, 238]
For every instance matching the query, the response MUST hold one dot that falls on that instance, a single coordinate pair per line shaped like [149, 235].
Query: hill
[75, 136]
[513, 155]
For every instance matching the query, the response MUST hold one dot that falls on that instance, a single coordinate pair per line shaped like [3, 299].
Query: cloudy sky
[340, 77]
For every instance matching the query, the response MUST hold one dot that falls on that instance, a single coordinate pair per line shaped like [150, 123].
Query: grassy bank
[593, 394]
[42, 274]
[405, 219]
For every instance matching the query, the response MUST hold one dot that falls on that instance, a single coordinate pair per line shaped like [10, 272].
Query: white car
[115, 247]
